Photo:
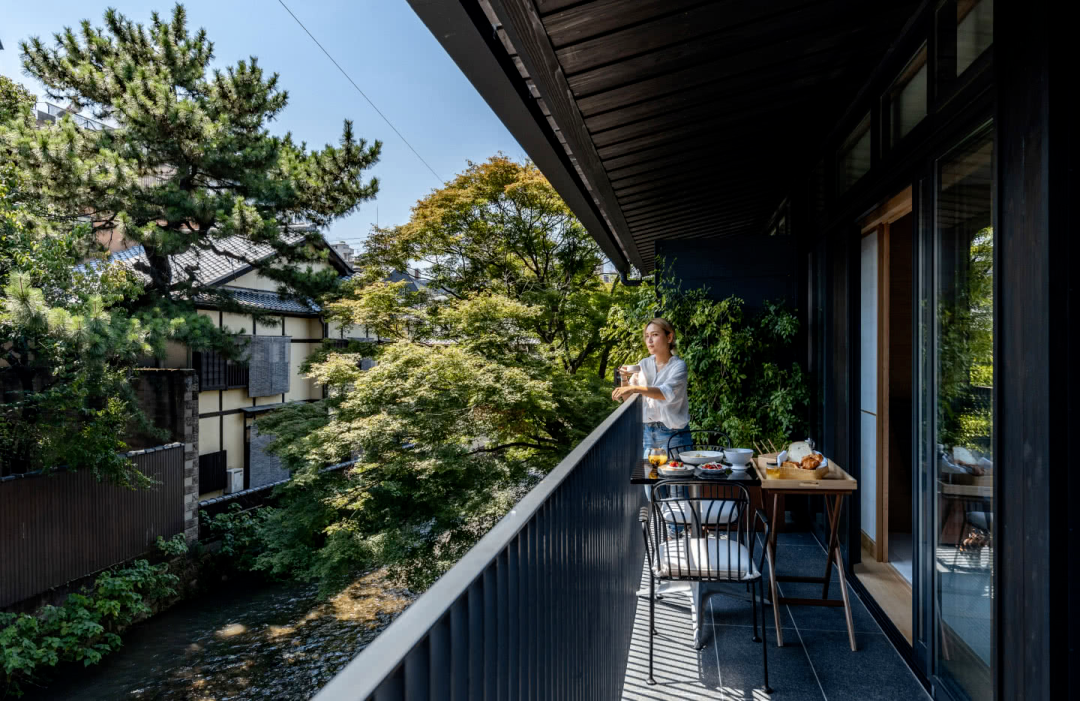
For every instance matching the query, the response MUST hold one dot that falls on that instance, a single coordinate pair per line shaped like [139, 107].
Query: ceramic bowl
[738, 457]
[699, 457]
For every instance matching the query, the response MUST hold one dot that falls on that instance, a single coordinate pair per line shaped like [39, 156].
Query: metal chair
[717, 514]
[691, 439]
[698, 557]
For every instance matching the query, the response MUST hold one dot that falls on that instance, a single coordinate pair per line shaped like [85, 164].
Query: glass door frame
[926, 639]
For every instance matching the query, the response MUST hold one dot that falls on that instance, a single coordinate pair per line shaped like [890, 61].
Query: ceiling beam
[526, 32]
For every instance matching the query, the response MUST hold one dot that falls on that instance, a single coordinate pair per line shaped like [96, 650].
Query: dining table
[645, 473]
[834, 486]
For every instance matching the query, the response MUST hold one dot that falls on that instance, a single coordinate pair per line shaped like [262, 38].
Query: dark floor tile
[830, 618]
[796, 538]
[875, 671]
[732, 611]
[740, 674]
[803, 561]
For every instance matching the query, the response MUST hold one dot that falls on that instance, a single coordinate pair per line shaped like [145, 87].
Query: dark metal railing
[215, 371]
[212, 471]
[541, 608]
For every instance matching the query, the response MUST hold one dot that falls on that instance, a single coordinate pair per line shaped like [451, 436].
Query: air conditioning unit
[234, 480]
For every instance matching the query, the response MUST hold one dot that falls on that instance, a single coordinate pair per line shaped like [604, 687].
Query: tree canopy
[490, 371]
[187, 165]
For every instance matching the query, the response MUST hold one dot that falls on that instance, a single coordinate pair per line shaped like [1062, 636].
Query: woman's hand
[621, 393]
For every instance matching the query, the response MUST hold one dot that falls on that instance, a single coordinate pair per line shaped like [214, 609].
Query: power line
[347, 77]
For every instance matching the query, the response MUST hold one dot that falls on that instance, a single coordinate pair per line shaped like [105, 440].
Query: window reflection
[907, 99]
[964, 416]
[974, 31]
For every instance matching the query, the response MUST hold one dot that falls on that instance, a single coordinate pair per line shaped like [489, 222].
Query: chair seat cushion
[709, 512]
[714, 558]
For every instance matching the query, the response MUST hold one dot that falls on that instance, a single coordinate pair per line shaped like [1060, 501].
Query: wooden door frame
[878, 221]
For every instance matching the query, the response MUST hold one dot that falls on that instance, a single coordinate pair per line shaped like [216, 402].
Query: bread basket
[793, 473]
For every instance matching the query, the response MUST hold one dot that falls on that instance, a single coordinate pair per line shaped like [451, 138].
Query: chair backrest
[689, 439]
[713, 539]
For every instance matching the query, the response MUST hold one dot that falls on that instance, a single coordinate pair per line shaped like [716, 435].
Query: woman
[662, 381]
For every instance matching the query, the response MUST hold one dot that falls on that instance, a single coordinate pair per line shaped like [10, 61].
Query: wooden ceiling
[686, 118]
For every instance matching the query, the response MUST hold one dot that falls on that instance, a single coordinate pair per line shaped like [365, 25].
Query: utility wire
[347, 77]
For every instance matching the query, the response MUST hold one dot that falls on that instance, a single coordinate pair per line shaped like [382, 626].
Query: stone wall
[161, 395]
[170, 400]
[191, 456]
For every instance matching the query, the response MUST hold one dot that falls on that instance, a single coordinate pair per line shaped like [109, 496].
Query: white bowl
[738, 457]
[631, 368]
[698, 457]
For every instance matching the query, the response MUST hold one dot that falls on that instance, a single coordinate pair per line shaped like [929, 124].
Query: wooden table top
[837, 481]
[982, 491]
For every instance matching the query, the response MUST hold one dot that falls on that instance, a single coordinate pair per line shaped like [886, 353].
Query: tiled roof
[398, 276]
[208, 267]
[269, 301]
[214, 269]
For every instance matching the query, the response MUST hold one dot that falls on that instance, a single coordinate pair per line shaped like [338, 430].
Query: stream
[273, 642]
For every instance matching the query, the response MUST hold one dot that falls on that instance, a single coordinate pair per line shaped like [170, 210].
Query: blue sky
[380, 43]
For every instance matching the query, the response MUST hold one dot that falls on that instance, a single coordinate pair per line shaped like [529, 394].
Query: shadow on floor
[816, 661]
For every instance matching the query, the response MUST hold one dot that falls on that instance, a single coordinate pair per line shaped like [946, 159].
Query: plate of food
[675, 468]
[713, 469]
[700, 457]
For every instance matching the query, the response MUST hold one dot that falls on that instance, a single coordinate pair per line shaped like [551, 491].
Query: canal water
[273, 642]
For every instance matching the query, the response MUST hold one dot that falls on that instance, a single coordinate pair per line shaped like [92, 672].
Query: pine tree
[188, 165]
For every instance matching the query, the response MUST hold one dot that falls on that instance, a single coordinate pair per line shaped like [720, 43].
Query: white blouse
[674, 409]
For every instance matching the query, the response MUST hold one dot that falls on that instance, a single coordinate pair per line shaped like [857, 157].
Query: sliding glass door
[955, 421]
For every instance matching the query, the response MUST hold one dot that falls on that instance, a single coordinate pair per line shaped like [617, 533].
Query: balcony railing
[215, 371]
[541, 608]
[46, 111]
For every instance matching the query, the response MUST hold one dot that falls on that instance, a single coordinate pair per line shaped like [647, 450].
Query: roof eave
[488, 67]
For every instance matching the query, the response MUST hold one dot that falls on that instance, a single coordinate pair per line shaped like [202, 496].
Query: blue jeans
[657, 436]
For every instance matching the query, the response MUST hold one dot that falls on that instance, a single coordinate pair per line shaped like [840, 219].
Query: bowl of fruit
[713, 470]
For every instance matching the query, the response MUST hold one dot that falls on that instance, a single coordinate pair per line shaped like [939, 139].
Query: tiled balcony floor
[816, 661]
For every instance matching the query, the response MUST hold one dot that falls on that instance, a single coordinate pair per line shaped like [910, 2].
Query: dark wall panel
[1035, 358]
[754, 268]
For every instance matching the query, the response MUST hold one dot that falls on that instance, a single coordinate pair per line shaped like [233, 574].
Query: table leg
[833, 515]
[847, 601]
[774, 592]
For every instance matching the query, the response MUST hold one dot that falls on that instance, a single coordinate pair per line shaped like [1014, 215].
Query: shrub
[238, 531]
[84, 628]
